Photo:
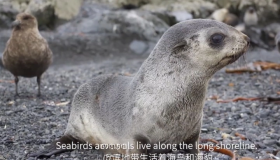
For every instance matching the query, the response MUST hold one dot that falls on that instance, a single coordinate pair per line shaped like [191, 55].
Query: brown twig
[240, 136]
[218, 150]
[238, 99]
[7, 81]
[215, 149]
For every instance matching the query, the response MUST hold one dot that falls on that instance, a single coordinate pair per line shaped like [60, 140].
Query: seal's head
[24, 21]
[201, 45]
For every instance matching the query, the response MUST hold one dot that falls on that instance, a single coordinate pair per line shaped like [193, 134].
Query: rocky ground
[28, 123]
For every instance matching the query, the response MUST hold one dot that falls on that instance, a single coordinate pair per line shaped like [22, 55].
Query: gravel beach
[28, 123]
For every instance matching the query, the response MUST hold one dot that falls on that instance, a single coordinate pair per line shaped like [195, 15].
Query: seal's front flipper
[59, 146]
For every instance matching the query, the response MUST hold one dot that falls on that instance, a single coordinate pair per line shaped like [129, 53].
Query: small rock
[269, 142]
[260, 145]
[276, 115]
[251, 136]
[9, 112]
[204, 130]
[227, 130]
[67, 9]
[2, 157]
[42, 10]
[225, 135]
[264, 114]
[243, 115]
[168, 18]
[138, 47]
[11, 103]
[233, 109]
[278, 154]
[182, 15]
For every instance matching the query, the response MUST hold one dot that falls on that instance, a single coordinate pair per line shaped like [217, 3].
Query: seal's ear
[179, 47]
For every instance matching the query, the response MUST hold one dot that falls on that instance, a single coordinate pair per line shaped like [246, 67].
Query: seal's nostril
[247, 38]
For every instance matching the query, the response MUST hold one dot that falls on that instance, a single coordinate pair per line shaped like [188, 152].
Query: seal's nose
[247, 39]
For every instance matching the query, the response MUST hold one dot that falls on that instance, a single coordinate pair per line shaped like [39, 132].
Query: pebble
[278, 154]
[226, 130]
[269, 142]
[204, 130]
[264, 114]
[138, 47]
[260, 145]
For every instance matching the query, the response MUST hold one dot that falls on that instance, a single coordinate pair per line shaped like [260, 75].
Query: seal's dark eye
[217, 38]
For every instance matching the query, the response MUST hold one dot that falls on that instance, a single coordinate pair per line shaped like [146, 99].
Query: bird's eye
[216, 39]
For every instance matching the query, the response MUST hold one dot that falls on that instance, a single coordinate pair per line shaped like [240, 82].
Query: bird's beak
[15, 23]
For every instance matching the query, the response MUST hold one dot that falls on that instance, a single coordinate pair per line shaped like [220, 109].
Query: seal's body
[27, 53]
[163, 102]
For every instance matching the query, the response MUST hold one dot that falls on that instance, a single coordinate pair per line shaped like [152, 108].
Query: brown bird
[27, 53]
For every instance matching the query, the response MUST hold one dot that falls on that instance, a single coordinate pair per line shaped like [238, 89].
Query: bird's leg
[16, 82]
[39, 85]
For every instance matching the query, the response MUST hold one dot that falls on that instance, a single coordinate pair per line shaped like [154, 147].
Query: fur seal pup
[27, 53]
[163, 103]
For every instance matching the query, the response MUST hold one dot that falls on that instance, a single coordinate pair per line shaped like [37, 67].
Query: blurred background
[132, 27]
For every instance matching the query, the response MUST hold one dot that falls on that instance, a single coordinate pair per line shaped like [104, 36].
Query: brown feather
[27, 53]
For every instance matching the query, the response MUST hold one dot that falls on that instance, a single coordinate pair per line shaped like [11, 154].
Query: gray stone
[227, 130]
[67, 9]
[227, 3]
[138, 47]
[123, 3]
[42, 10]
[141, 24]
[269, 142]
[198, 8]
[181, 15]
[278, 154]
[167, 17]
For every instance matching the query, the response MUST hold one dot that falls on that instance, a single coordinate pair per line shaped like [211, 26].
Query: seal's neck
[163, 70]
[167, 81]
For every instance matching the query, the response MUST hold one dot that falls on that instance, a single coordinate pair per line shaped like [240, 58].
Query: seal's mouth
[234, 57]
